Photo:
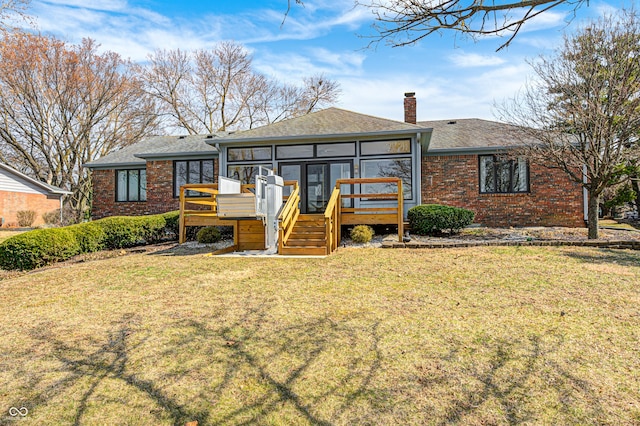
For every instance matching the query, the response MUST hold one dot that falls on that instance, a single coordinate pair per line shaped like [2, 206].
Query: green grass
[366, 336]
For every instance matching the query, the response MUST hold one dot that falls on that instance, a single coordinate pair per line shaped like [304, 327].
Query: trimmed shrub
[90, 236]
[25, 218]
[45, 246]
[37, 248]
[129, 231]
[434, 219]
[208, 235]
[361, 234]
[172, 223]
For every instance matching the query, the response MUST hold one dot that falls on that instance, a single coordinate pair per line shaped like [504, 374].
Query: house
[454, 162]
[19, 192]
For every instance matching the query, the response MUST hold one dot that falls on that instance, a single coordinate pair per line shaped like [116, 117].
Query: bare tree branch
[65, 105]
[405, 22]
[583, 109]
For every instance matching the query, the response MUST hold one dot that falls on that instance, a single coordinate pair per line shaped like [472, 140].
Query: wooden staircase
[308, 236]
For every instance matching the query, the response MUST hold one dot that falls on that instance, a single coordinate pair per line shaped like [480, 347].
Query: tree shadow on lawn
[293, 366]
[623, 257]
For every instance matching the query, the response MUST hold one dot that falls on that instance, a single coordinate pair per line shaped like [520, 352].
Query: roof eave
[48, 188]
[469, 150]
[315, 137]
[125, 165]
[175, 155]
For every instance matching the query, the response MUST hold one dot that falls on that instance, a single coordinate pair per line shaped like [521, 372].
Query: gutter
[316, 138]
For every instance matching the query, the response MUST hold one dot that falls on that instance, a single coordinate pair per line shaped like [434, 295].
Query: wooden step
[303, 243]
[302, 251]
[300, 235]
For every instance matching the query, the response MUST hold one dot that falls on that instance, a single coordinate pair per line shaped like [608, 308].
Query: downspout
[418, 169]
[61, 197]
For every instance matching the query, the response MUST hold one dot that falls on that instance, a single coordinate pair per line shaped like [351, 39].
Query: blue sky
[453, 77]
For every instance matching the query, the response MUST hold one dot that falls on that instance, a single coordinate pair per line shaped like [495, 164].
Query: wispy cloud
[469, 60]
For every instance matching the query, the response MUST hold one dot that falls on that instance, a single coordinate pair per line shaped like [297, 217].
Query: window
[192, 171]
[294, 151]
[131, 185]
[501, 175]
[397, 167]
[385, 147]
[336, 150]
[249, 154]
[245, 173]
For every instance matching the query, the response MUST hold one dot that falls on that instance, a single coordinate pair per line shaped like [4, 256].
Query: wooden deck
[298, 234]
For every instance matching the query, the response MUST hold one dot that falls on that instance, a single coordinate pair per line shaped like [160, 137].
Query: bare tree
[584, 107]
[11, 10]
[65, 105]
[404, 22]
[218, 89]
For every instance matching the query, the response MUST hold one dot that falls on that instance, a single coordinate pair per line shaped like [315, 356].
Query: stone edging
[624, 244]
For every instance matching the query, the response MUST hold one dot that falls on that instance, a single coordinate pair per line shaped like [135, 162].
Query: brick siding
[13, 202]
[553, 200]
[159, 192]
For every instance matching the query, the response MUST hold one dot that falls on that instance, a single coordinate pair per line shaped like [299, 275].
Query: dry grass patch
[366, 336]
[5, 235]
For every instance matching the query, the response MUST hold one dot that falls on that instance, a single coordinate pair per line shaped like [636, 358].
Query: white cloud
[469, 60]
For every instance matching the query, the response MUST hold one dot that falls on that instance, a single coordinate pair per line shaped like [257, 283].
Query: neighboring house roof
[330, 123]
[471, 135]
[158, 147]
[22, 178]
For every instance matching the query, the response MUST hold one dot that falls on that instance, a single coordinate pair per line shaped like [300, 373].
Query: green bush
[172, 223]
[90, 236]
[434, 219]
[361, 234]
[208, 235]
[45, 246]
[37, 248]
[129, 231]
[25, 218]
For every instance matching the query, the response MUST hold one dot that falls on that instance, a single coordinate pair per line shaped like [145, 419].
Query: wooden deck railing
[373, 215]
[205, 188]
[289, 214]
[332, 221]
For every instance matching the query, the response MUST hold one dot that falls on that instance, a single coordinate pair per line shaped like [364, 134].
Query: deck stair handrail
[289, 214]
[332, 221]
[376, 214]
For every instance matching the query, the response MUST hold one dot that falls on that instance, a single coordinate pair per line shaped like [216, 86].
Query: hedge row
[43, 247]
[434, 219]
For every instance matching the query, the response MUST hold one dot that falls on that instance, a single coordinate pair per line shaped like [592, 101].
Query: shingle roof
[325, 123]
[458, 134]
[158, 147]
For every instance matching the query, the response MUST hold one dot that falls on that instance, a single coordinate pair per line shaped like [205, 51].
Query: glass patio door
[316, 181]
[317, 187]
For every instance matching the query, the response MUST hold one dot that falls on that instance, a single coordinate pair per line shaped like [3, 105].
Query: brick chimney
[410, 107]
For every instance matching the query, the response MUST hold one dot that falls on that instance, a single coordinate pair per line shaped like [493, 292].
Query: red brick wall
[553, 199]
[159, 192]
[13, 202]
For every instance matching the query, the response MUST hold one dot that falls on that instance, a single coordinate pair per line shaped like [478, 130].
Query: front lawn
[5, 235]
[500, 335]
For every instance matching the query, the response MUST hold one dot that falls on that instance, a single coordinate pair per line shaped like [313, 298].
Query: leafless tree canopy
[584, 106]
[403, 22]
[65, 105]
[218, 89]
[11, 10]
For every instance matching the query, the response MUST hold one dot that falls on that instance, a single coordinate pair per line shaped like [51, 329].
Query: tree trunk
[592, 215]
[635, 184]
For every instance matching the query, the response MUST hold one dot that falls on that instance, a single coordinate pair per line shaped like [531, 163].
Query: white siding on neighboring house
[12, 183]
